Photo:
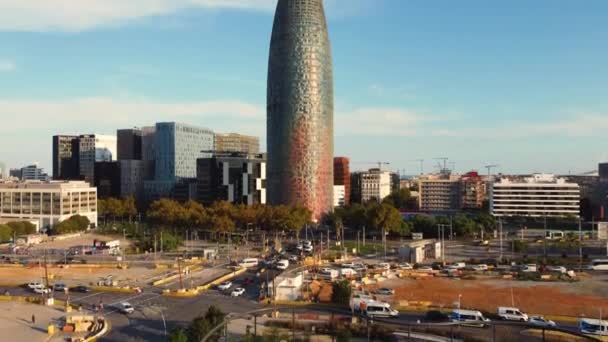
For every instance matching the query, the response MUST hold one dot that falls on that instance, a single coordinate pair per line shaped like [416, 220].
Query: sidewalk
[16, 321]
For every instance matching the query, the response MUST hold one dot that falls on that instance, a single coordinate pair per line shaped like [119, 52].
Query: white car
[427, 269]
[326, 270]
[224, 286]
[299, 247]
[405, 266]
[237, 292]
[308, 248]
[41, 290]
[383, 266]
[540, 321]
[559, 269]
[35, 285]
[480, 267]
[293, 258]
[125, 308]
[348, 265]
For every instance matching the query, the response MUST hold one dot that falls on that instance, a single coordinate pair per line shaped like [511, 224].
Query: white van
[379, 309]
[593, 326]
[249, 262]
[512, 314]
[282, 265]
[472, 318]
[599, 265]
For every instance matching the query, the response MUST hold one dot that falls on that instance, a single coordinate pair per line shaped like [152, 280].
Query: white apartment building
[96, 148]
[48, 202]
[439, 194]
[538, 195]
[339, 195]
[375, 184]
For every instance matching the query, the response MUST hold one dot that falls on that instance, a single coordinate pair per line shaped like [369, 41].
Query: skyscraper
[342, 176]
[129, 144]
[66, 157]
[300, 108]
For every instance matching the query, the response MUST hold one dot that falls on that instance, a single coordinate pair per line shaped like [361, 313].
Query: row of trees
[373, 216]
[76, 223]
[117, 208]
[18, 228]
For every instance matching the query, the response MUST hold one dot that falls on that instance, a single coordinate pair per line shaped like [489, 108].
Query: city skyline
[516, 90]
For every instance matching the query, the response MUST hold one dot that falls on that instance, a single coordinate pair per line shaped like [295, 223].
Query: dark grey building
[300, 108]
[238, 178]
[66, 156]
[129, 144]
[107, 179]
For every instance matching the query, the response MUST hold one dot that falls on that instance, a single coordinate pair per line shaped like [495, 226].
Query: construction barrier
[205, 287]
[125, 289]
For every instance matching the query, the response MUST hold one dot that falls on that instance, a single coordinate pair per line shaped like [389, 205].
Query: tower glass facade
[300, 108]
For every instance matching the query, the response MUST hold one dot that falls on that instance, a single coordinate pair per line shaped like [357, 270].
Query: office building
[66, 157]
[95, 148]
[439, 193]
[107, 179]
[177, 146]
[129, 144]
[342, 177]
[339, 196]
[15, 173]
[133, 174]
[3, 171]
[371, 185]
[238, 178]
[233, 142]
[300, 108]
[33, 172]
[148, 135]
[539, 195]
[48, 202]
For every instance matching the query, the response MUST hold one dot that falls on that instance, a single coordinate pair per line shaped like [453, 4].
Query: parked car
[383, 266]
[59, 287]
[436, 316]
[282, 265]
[81, 288]
[540, 321]
[308, 248]
[529, 268]
[293, 258]
[558, 269]
[427, 269]
[125, 308]
[325, 270]
[224, 286]
[480, 267]
[41, 290]
[385, 291]
[458, 265]
[405, 266]
[512, 314]
[237, 292]
[35, 285]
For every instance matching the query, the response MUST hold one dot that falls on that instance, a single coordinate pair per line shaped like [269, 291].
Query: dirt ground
[570, 299]
[83, 240]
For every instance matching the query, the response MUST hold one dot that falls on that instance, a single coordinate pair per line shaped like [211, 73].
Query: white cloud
[380, 121]
[6, 66]
[80, 15]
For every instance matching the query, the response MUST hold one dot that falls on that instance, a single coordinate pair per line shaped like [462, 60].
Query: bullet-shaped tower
[300, 108]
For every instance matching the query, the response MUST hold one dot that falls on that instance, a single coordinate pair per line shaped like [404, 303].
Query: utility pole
[363, 236]
[580, 244]
[500, 237]
[545, 239]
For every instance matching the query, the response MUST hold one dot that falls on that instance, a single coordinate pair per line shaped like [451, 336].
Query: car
[326, 270]
[224, 286]
[512, 314]
[293, 258]
[558, 269]
[282, 265]
[59, 287]
[237, 292]
[385, 291]
[41, 290]
[540, 321]
[125, 308]
[299, 247]
[458, 265]
[480, 267]
[348, 265]
[359, 267]
[35, 285]
[405, 266]
[81, 288]
[383, 266]
[427, 269]
[308, 248]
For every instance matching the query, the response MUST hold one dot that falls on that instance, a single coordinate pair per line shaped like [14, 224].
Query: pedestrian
[33, 319]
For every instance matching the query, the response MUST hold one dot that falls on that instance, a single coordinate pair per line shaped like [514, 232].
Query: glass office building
[300, 108]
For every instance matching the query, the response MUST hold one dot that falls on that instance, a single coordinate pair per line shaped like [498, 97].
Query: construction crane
[445, 161]
[379, 163]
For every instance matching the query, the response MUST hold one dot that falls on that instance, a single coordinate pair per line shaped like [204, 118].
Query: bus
[593, 326]
[599, 265]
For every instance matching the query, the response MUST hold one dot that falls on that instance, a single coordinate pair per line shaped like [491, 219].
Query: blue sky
[523, 84]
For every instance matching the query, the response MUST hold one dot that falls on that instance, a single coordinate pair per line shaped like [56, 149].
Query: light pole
[580, 244]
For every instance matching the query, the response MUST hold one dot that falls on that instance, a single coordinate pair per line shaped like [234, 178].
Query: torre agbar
[300, 108]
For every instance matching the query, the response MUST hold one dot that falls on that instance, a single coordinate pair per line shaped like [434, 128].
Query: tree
[6, 233]
[275, 335]
[22, 227]
[354, 216]
[129, 207]
[178, 335]
[202, 325]
[401, 199]
[384, 216]
[341, 292]
[165, 212]
[344, 335]
[424, 224]
[463, 226]
[76, 223]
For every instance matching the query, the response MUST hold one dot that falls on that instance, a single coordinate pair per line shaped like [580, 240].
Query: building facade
[371, 185]
[234, 142]
[439, 194]
[342, 177]
[339, 196]
[107, 179]
[300, 108]
[148, 135]
[238, 178]
[129, 144]
[48, 202]
[95, 148]
[537, 196]
[3, 171]
[33, 172]
[472, 191]
[66, 157]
